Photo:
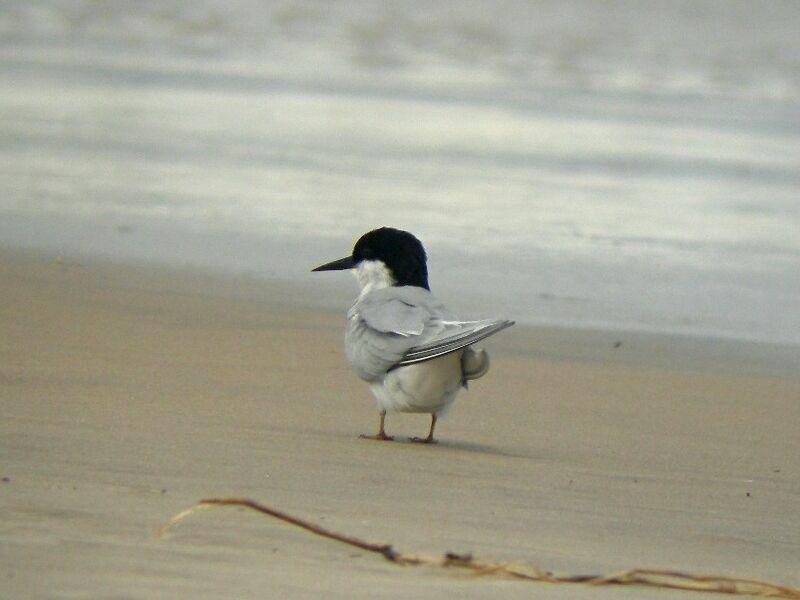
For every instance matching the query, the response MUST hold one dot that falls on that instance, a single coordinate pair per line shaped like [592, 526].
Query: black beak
[337, 265]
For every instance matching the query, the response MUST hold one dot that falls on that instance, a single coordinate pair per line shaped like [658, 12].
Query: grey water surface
[617, 164]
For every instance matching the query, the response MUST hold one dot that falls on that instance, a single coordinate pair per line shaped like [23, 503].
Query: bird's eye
[367, 253]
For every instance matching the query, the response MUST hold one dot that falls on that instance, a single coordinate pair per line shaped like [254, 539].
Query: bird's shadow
[474, 447]
[447, 445]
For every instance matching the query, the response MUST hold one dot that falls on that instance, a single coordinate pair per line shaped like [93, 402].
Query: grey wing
[454, 336]
[373, 353]
[396, 316]
[385, 325]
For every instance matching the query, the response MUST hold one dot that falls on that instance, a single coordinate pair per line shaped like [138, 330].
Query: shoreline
[570, 294]
[632, 345]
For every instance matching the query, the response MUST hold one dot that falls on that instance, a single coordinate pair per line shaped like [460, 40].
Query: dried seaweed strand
[518, 570]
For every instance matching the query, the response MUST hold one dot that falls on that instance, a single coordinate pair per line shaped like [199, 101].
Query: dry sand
[128, 394]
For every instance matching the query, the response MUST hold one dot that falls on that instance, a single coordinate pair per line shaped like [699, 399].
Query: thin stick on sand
[524, 570]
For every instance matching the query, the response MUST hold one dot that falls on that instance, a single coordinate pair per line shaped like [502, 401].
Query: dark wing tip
[448, 345]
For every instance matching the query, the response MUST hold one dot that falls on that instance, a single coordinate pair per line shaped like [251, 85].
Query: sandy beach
[129, 393]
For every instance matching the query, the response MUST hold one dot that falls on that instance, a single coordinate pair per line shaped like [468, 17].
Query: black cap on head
[400, 251]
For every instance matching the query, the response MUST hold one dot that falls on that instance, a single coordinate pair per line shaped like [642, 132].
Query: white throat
[373, 275]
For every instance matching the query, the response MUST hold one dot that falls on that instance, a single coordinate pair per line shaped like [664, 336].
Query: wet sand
[129, 393]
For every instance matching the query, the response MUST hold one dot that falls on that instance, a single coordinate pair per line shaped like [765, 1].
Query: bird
[411, 350]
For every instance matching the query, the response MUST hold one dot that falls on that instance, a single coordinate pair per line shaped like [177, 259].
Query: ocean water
[619, 164]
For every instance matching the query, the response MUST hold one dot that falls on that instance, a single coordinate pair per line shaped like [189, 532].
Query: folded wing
[384, 324]
[398, 326]
[454, 336]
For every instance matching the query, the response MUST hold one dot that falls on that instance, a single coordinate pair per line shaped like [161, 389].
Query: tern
[399, 338]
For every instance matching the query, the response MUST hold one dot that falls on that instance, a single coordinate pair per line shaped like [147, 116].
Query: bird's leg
[429, 439]
[381, 435]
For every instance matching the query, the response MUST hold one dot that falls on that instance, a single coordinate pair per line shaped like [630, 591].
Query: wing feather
[398, 326]
[456, 336]
[395, 316]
